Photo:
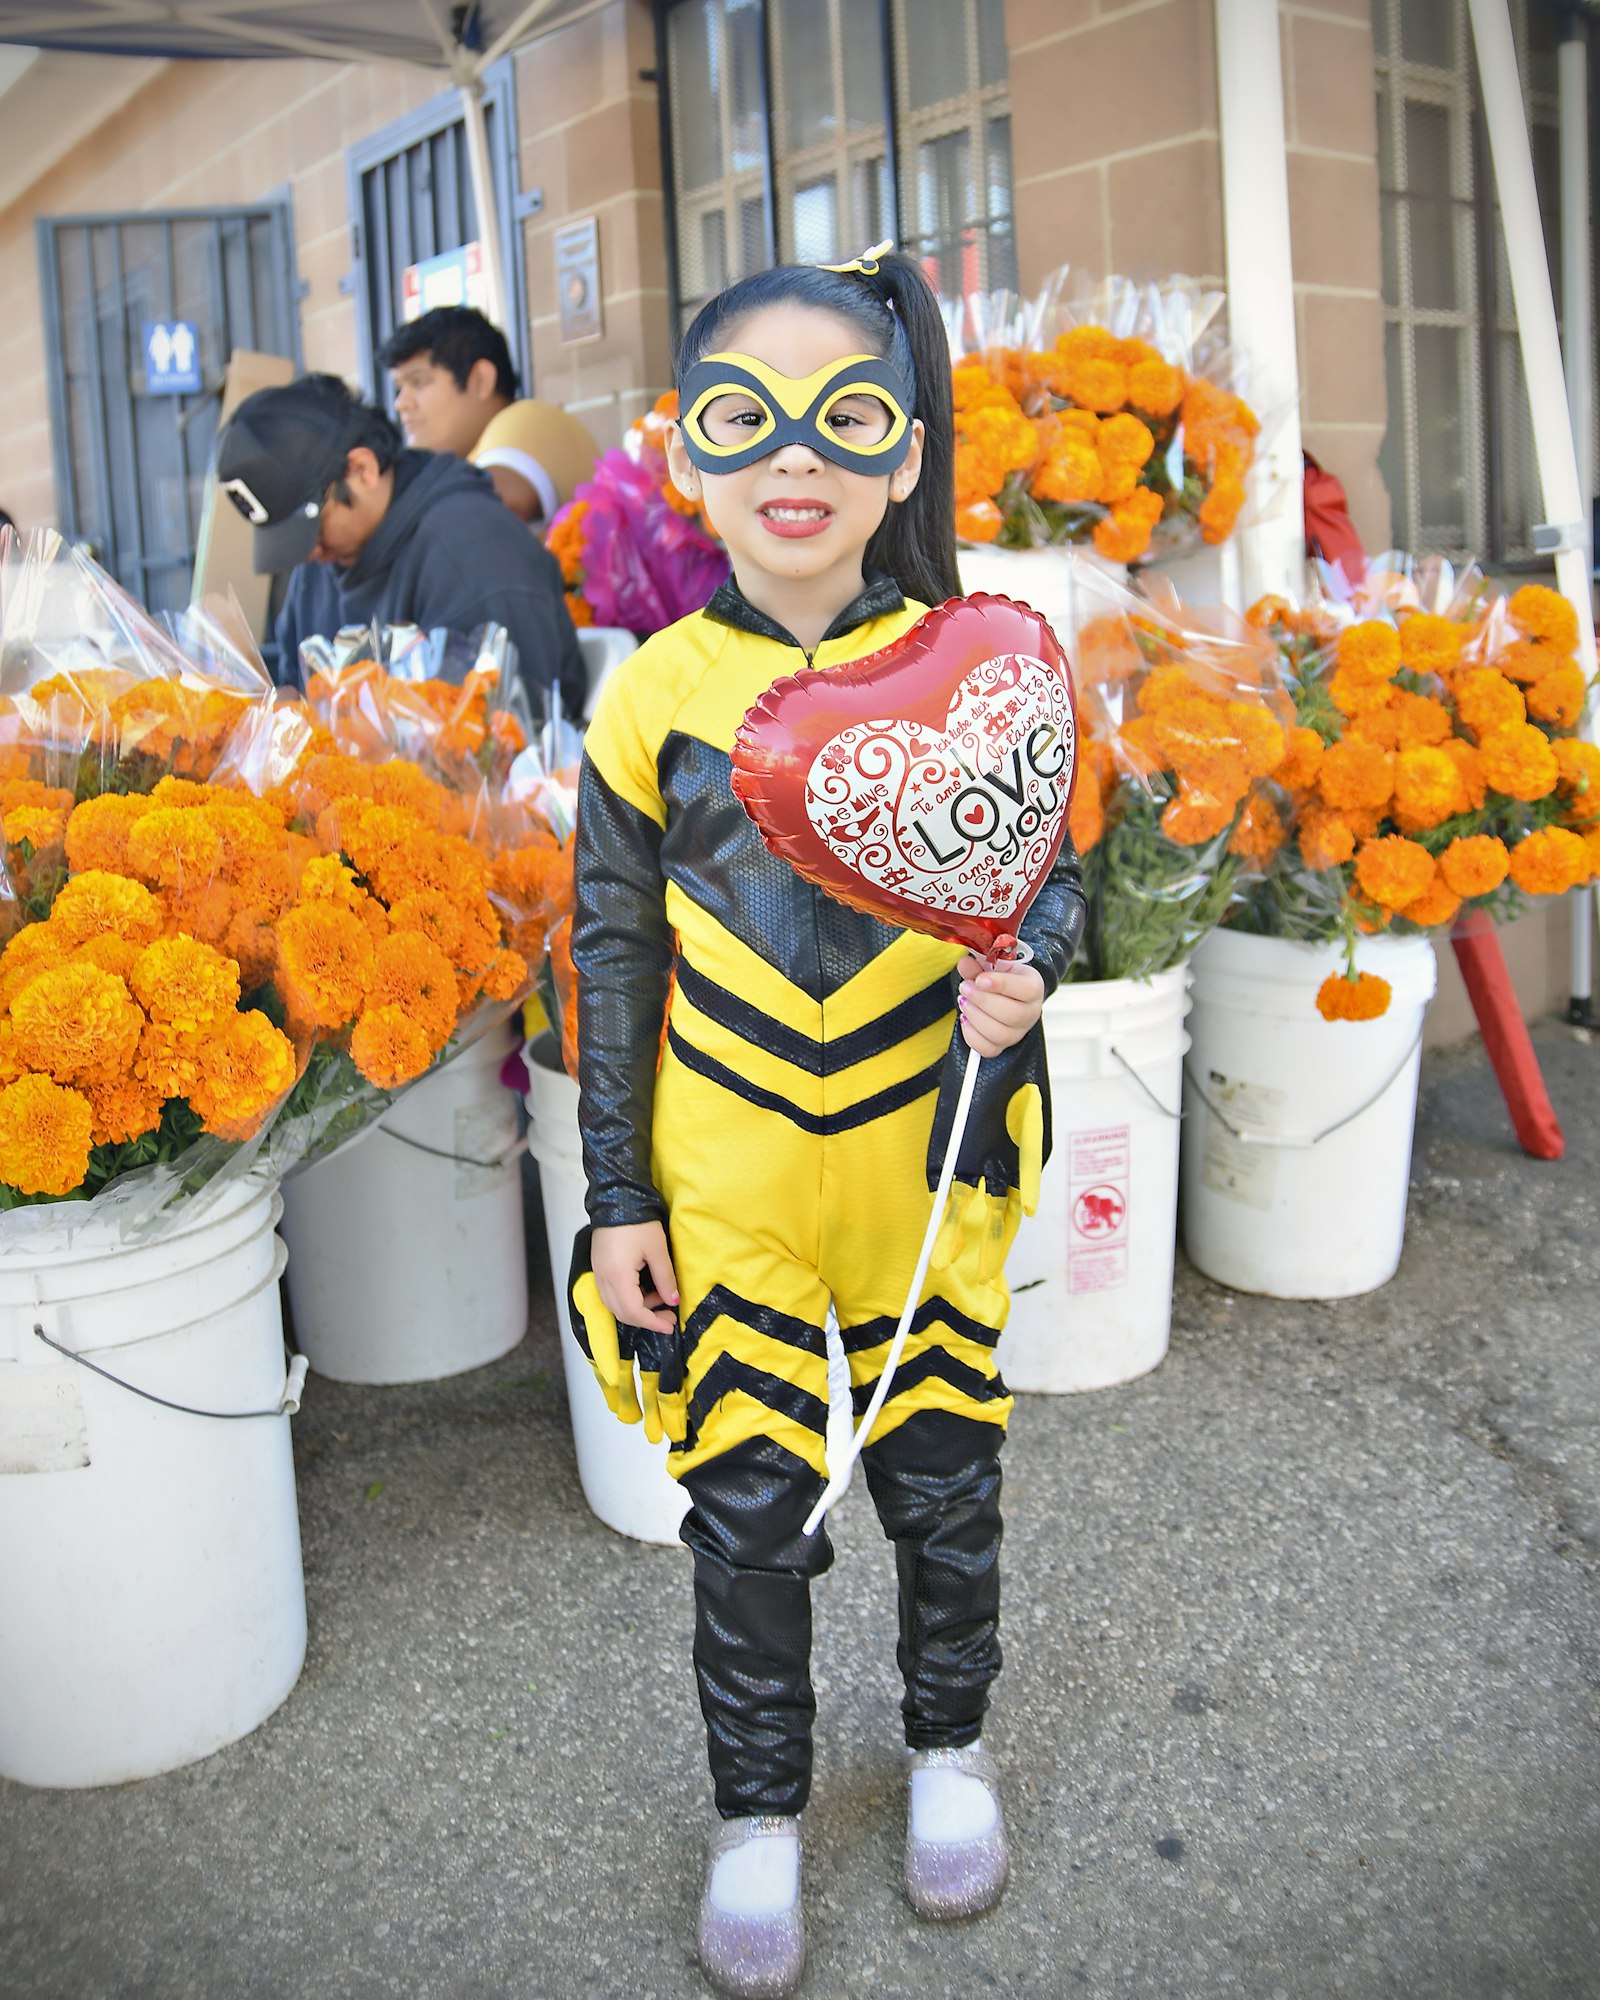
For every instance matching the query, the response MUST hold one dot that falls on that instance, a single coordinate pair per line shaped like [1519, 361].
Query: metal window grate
[130, 466]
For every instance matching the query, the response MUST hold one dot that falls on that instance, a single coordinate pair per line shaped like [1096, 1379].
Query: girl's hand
[998, 1005]
[621, 1259]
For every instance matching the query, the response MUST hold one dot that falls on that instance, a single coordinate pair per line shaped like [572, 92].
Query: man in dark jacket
[376, 534]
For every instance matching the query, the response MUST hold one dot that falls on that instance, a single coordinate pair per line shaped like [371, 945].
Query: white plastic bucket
[1091, 1272]
[624, 1477]
[1297, 1139]
[152, 1604]
[408, 1251]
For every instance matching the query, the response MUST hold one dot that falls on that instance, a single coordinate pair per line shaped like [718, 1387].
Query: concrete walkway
[1303, 1645]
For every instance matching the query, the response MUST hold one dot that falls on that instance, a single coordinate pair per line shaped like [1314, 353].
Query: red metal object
[1505, 1036]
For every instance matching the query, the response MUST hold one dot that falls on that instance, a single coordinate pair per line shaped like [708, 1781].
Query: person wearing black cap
[376, 534]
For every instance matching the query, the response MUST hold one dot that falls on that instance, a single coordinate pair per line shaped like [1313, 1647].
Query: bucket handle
[288, 1403]
[1290, 1141]
[1117, 1056]
[462, 1159]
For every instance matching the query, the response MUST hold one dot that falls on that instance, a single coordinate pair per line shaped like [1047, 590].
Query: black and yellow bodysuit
[771, 1074]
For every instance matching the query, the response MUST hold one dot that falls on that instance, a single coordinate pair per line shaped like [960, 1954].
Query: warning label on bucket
[1097, 1208]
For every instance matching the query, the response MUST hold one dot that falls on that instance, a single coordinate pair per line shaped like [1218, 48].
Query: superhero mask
[795, 410]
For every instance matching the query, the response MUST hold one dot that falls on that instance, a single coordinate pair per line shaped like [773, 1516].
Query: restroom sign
[171, 357]
[1098, 1168]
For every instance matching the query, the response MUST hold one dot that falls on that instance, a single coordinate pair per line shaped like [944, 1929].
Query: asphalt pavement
[1302, 1657]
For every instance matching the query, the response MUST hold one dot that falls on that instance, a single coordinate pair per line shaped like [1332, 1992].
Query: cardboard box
[222, 547]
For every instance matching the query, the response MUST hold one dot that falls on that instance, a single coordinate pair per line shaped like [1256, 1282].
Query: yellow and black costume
[771, 1075]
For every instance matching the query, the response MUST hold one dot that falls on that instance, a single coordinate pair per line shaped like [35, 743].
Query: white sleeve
[529, 468]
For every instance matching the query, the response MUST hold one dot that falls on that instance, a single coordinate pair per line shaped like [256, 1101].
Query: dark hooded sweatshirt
[448, 553]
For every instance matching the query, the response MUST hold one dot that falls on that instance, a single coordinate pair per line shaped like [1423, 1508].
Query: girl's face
[796, 516]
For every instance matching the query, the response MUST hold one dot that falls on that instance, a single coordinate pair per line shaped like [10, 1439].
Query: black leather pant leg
[935, 1481]
[752, 1641]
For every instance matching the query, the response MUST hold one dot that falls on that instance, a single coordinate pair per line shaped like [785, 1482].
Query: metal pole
[494, 271]
[1260, 275]
[1577, 275]
[1564, 532]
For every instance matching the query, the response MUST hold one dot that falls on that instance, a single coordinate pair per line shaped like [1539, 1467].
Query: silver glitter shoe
[957, 1878]
[751, 1958]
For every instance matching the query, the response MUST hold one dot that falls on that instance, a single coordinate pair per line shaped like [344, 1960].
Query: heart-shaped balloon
[928, 783]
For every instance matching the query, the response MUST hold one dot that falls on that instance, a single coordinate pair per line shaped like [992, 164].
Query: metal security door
[130, 465]
[411, 199]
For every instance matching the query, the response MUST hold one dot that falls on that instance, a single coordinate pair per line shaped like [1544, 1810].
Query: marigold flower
[1220, 508]
[46, 1131]
[38, 827]
[1435, 907]
[325, 958]
[1086, 817]
[507, 974]
[1363, 998]
[33, 950]
[243, 1069]
[1260, 734]
[1545, 614]
[168, 1059]
[75, 1023]
[1528, 660]
[1430, 645]
[95, 903]
[1191, 820]
[1427, 789]
[1370, 651]
[1125, 534]
[1421, 721]
[1069, 474]
[1259, 834]
[123, 1108]
[1487, 701]
[1578, 765]
[1474, 865]
[1356, 694]
[185, 984]
[1155, 387]
[1549, 862]
[1325, 837]
[389, 1048]
[1353, 773]
[1469, 763]
[410, 971]
[1393, 871]
[1558, 696]
[1296, 771]
[1519, 762]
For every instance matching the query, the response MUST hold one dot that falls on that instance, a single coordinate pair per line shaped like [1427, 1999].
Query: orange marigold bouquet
[1119, 430]
[231, 921]
[1434, 765]
[1183, 717]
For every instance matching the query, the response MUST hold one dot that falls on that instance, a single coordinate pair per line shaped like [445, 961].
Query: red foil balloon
[927, 784]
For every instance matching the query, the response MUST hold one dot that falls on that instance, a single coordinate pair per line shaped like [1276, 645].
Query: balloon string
[839, 1479]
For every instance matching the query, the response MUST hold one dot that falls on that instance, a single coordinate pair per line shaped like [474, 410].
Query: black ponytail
[899, 318]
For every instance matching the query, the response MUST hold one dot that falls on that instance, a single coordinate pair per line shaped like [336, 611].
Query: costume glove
[659, 1399]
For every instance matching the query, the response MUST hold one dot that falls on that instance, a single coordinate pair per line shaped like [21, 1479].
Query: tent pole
[495, 295]
[1576, 279]
[1261, 322]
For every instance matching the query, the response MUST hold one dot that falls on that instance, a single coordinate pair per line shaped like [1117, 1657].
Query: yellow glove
[1025, 1126]
[976, 1232]
[662, 1415]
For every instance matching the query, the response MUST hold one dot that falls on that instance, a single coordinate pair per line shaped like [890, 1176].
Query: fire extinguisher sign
[1097, 1217]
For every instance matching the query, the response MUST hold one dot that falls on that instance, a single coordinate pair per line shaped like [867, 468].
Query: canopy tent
[460, 41]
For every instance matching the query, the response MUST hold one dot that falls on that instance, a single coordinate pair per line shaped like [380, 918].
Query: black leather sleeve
[622, 949]
[1052, 927]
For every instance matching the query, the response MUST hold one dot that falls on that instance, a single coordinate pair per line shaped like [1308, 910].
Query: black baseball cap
[276, 458]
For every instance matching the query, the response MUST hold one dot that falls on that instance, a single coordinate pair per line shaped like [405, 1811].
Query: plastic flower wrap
[233, 921]
[1107, 420]
[1183, 715]
[1434, 764]
[633, 552]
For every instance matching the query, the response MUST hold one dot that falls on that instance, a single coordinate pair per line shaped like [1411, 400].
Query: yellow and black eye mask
[794, 410]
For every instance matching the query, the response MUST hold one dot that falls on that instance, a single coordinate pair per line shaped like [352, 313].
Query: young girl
[767, 1081]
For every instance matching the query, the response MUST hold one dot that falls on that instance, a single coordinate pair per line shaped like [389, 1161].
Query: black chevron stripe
[817, 1058]
[722, 1303]
[874, 1332]
[821, 1125]
[728, 1373]
[934, 1361]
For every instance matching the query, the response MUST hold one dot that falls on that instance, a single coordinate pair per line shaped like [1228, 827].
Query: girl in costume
[768, 1078]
